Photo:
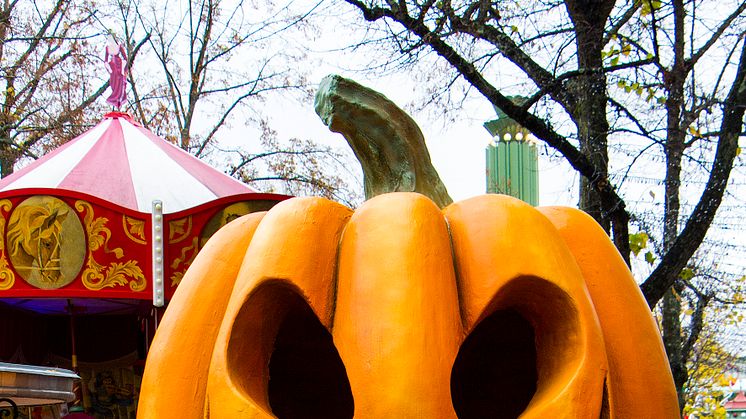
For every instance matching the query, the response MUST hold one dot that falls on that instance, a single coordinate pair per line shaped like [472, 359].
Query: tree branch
[699, 222]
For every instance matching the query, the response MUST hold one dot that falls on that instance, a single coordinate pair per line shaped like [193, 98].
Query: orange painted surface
[397, 324]
[510, 256]
[295, 248]
[640, 382]
[400, 286]
[175, 377]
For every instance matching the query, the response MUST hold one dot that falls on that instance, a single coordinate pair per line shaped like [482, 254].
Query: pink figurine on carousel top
[116, 63]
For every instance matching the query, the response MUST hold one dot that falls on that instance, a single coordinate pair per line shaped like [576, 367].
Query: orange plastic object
[401, 310]
[178, 361]
[638, 367]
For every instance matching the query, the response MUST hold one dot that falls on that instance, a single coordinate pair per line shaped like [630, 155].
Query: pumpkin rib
[640, 384]
[401, 287]
[179, 343]
[296, 243]
[397, 317]
[500, 241]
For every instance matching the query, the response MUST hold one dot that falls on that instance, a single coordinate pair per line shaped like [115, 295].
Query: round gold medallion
[45, 242]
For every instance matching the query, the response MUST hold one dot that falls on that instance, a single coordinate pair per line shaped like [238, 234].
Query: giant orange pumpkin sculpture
[488, 308]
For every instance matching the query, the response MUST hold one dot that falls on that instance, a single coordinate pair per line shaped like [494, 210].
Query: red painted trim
[146, 294]
[226, 200]
[122, 115]
[75, 195]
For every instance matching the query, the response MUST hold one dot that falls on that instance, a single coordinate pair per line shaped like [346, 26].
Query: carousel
[94, 239]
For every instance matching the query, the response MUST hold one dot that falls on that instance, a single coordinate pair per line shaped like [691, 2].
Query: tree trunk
[673, 341]
[674, 149]
[589, 18]
[671, 305]
[7, 156]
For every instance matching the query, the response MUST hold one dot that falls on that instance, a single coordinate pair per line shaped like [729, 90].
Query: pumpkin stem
[387, 142]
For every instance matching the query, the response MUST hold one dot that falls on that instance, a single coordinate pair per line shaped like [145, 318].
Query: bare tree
[298, 168]
[632, 78]
[46, 68]
[213, 60]
[213, 63]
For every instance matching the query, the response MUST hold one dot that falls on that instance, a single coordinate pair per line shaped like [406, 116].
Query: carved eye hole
[495, 371]
[307, 378]
[284, 359]
[527, 349]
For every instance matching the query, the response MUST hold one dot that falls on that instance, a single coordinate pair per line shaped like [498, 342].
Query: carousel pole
[77, 384]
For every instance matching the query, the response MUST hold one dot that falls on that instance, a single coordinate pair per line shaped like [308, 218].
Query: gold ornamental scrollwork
[176, 278]
[97, 276]
[7, 277]
[185, 259]
[134, 229]
[180, 229]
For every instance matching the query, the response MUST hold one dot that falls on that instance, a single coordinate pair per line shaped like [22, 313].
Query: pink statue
[116, 63]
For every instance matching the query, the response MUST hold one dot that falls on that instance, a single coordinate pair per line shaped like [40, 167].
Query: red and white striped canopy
[120, 161]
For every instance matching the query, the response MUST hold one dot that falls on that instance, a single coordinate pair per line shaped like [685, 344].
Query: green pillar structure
[512, 159]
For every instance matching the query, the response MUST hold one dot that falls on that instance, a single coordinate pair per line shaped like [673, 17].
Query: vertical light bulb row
[158, 297]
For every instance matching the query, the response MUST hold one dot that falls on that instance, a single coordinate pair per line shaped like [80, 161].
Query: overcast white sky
[457, 150]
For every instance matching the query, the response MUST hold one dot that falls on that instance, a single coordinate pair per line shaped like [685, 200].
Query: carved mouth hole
[307, 378]
[495, 372]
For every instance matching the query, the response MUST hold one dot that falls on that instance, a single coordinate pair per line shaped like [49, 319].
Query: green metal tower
[512, 159]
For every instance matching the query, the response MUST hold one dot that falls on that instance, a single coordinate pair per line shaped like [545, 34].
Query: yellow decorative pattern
[179, 230]
[176, 278]
[188, 253]
[134, 229]
[7, 277]
[97, 276]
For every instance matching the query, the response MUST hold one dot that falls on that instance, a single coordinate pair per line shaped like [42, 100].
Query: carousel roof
[122, 162]
[738, 403]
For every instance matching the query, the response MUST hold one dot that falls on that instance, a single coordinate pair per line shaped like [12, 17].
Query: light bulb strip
[158, 289]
